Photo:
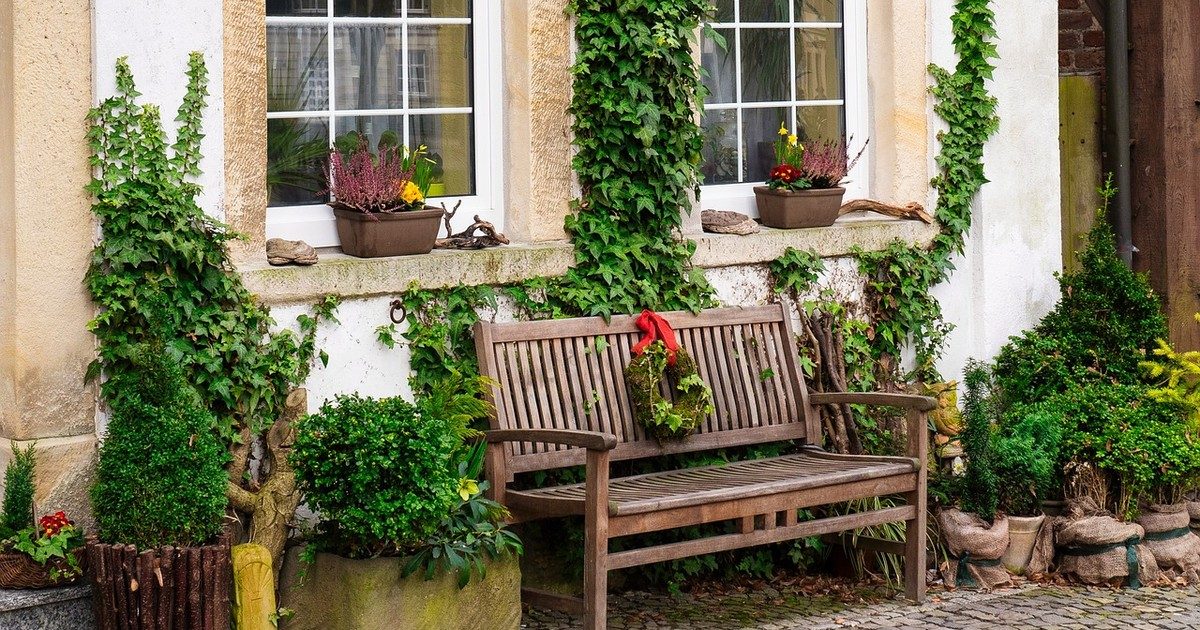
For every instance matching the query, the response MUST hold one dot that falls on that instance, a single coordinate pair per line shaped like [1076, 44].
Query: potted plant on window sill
[379, 201]
[804, 189]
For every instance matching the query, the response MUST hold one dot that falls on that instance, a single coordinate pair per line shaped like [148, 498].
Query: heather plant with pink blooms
[375, 183]
[827, 162]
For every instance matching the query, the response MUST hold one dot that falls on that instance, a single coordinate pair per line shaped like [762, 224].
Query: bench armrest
[906, 401]
[917, 406]
[591, 440]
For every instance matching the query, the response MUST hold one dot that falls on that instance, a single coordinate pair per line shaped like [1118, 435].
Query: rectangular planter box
[341, 594]
[387, 234]
[789, 210]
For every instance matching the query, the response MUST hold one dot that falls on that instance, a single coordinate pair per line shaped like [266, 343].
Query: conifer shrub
[1106, 319]
[19, 477]
[161, 477]
[1026, 461]
[979, 483]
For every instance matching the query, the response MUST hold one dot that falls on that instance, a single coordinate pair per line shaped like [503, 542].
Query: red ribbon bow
[655, 328]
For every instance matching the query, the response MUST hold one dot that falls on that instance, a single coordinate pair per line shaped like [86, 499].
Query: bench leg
[914, 550]
[595, 541]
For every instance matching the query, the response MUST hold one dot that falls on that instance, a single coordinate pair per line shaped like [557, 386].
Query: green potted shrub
[405, 537]
[804, 189]
[159, 500]
[1025, 458]
[379, 200]
[41, 554]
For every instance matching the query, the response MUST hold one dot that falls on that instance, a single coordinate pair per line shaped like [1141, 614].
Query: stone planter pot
[340, 594]
[1022, 536]
[1194, 514]
[170, 587]
[387, 234]
[798, 209]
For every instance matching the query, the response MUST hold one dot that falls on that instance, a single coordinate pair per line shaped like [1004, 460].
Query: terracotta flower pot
[393, 234]
[798, 209]
[1022, 536]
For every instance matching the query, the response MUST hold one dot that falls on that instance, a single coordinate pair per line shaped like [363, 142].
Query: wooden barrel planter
[184, 588]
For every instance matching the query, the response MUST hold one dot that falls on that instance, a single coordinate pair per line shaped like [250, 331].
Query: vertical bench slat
[727, 407]
[768, 377]
[688, 337]
[555, 384]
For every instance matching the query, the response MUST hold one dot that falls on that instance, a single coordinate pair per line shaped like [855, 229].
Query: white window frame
[740, 197]
[315, 225]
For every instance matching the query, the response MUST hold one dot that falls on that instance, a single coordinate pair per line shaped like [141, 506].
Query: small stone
[284, 252]
[728, 222]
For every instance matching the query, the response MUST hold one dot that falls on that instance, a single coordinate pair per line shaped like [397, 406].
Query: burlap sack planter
[975, 549]
[1169, 535]
[1194, 512]
[1095, 548]
[341, 594]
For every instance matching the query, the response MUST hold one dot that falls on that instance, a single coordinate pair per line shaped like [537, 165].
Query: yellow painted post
[1079, 139]
[253, 588]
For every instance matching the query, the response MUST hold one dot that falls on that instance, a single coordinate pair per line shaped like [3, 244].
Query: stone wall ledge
[351, 277]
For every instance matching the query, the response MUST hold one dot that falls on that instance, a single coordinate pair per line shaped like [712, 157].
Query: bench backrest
[569, 374]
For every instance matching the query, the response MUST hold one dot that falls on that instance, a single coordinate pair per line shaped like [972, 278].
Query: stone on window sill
[343, 275]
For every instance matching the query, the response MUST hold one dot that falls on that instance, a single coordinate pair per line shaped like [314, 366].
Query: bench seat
[671, 489]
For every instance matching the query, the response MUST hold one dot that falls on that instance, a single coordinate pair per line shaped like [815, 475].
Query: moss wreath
[658, 356]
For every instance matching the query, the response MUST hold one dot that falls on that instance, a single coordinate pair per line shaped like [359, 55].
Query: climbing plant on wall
[162, 272]
[900, 278]
[637, 88]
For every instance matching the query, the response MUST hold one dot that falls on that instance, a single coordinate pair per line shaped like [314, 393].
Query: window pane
[760, 130]
[440, 8]
[766, 64]
[368, 67]
[297, 68]
[350, 130]
[439, 60]
[824, 122]
[724, 11]
[368, 8]
[818, 10]
[720, 147]
[764, 11]
[818, 63]
[297, 7]
[452, 146]
[721, 79]
[296, 152]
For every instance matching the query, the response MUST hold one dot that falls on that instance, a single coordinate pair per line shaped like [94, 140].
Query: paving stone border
[1030, 606]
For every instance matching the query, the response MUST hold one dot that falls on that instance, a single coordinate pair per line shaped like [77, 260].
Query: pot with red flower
[379, 201]
[804, 188]
[49, 552]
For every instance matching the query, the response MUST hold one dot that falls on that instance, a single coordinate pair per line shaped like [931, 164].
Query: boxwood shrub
[379, 472]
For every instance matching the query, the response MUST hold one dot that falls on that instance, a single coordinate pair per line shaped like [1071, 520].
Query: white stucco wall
[1005, 280]
[158, 36]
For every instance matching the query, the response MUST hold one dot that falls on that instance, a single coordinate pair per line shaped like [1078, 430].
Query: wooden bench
[561, 401]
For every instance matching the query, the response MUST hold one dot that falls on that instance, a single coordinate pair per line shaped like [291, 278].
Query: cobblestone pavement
[1026, 607]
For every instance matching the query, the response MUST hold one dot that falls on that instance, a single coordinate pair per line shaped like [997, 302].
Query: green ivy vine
[637, 88]
[162, 272]
[438, 325]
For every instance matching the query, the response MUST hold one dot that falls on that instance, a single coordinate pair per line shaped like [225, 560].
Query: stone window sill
[350, 277]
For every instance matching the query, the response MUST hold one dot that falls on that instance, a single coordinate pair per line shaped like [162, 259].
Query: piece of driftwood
[910, 210]
[467, 239]
[561, 399]
[272, 504]
[169, 588]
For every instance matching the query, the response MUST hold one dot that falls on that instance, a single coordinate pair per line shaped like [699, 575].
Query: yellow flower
[793, 140]
[783, 130]
[467, 488]
[411, 193]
